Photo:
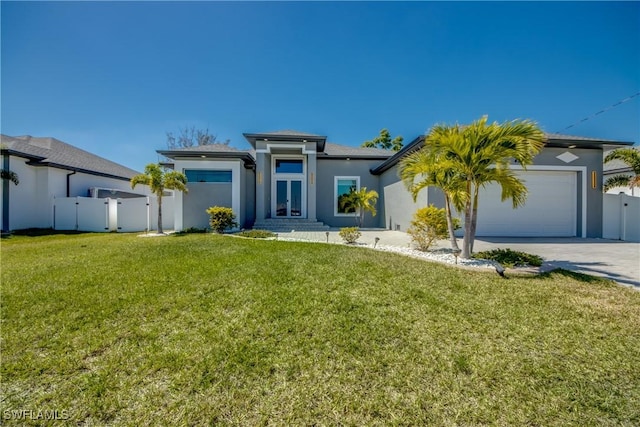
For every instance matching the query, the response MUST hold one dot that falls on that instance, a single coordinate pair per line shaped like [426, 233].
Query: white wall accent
[31, 201]
[621, 217]
[233, 165]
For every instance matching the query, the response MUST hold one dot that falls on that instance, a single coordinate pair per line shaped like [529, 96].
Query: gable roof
[47, 151]
[553, 140]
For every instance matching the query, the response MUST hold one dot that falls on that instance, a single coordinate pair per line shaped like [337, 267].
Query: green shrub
[510, 258]
[429, 224]
[191, 230]
[350, 234]
[257, 234]
[221, 218]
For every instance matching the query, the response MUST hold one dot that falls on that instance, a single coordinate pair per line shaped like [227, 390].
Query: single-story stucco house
[293, 180]
[48, 168]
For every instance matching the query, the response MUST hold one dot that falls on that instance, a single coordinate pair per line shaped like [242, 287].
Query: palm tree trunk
[160, 230]
[452, 236]
[474, 218]
[466, 242]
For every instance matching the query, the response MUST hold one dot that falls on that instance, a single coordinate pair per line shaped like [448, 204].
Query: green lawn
[203, 329]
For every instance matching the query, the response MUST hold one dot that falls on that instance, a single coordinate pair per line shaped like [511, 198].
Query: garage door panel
[550, 209]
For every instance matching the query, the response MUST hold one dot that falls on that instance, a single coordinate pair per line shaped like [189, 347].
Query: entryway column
[260, 186]
[311, 185]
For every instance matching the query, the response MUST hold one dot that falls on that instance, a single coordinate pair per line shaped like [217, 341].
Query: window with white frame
[206, 175]
[343, 186]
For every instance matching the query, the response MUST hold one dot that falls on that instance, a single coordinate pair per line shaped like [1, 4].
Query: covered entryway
[289, 187]
[551, 209]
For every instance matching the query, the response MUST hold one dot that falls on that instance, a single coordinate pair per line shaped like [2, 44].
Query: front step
[285, 225]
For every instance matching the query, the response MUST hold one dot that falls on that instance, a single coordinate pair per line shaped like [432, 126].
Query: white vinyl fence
[105, 215]
[621, 217]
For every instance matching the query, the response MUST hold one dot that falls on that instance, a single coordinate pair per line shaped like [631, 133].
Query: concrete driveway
[613, 259]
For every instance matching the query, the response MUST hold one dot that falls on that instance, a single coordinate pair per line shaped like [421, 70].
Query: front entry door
[288, 198]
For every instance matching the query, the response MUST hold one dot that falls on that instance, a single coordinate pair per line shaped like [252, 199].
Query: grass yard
[110, 329]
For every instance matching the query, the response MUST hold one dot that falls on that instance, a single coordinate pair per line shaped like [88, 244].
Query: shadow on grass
[38, 232]
[581, 277]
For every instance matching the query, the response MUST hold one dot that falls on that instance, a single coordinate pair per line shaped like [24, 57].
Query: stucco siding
[30, 203]
[200, 197]
[398, 206]
[327, 170]
[247, 202]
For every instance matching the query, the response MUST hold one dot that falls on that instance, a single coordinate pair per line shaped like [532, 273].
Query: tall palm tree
[159, 180]
[361, 201]
[9, 175]
[422, 166]
[478, 154]
[629, 156]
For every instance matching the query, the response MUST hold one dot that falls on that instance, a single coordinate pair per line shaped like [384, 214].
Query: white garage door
[550, 209]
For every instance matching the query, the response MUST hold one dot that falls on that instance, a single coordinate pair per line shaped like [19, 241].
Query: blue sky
[113, 77]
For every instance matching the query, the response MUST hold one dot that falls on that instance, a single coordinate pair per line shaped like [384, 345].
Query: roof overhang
[39, 161]
[284, 138]
[553, 140]
[211, 155]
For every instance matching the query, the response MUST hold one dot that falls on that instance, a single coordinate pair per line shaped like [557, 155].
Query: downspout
[69, 183]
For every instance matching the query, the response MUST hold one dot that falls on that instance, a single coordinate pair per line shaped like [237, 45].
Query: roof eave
[77, 169]
[319, 140]
[246, 157]
[391, 161]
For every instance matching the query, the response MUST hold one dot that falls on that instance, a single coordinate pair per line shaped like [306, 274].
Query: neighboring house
[618, 167]
[49, 168]
[293, 180]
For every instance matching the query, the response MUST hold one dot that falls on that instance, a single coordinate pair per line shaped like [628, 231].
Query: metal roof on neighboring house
[47, 151]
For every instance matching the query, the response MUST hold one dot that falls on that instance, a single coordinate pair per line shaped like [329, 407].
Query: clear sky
[113, 77]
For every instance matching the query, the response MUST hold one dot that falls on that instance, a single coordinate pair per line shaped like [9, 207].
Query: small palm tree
[420, 170]
[630, 157]
[470, 157]
[159, 180]
[10, 176]
[361, 201]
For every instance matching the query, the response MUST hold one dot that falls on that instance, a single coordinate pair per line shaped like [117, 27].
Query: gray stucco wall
[399, 206]
[591, 159]
[327, 170]
[247, 201]
[200, 197]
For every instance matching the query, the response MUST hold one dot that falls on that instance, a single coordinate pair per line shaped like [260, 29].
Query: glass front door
[288, 198]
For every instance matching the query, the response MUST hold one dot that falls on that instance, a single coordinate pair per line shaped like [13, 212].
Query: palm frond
[619, 181]
[629, 156]
[10, 176]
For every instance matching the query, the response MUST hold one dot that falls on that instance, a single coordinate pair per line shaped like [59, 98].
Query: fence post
[623, 217]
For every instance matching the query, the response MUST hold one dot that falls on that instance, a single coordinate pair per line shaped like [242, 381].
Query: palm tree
[362, 201]
[159, 180]
[9, 175]
[630, 157]
[422, 165]
[478, 154]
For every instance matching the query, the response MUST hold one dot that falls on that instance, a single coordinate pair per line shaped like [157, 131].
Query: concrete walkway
[612, 259]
